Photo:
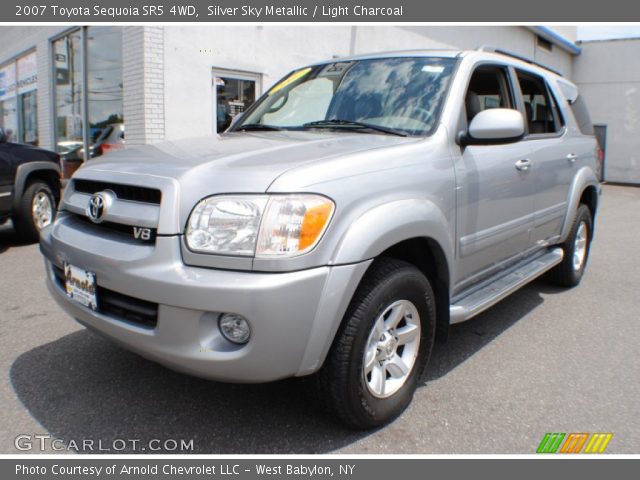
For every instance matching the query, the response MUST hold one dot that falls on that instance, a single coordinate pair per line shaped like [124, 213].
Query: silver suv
[353, 213]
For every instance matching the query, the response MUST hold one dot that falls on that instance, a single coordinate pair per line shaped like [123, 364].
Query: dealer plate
[81, 286]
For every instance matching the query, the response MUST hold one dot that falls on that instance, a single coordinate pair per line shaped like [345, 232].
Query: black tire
[23, 219]
[341, 383]
[565, 274]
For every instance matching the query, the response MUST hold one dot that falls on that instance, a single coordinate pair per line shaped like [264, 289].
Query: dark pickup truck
[29, 187]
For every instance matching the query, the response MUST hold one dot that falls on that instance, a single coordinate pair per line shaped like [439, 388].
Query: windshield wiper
[334, 122]
[258, 126]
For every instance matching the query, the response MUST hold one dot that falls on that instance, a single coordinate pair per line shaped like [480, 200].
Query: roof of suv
[396, 54]
[488, 52]
[450, 53]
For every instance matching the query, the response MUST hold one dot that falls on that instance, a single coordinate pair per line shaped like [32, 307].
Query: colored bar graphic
[574, 442]
[543, 443]
[598, 442]
[550, 443]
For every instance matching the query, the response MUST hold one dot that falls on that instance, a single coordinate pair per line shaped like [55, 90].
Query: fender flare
[585, 178]
[391, 223]
[22, 173]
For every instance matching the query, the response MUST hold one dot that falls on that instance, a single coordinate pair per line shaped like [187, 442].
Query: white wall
[143, 84]
[570, 32]
[608, 74]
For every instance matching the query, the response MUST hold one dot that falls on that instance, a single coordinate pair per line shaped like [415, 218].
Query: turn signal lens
[313, 224]
[293, 224]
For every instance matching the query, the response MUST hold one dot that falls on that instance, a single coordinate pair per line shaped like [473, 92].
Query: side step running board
[487, 296]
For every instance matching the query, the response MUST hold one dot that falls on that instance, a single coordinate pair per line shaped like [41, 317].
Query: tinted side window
[555, 109]
[539, 110]
[488, 88]
[579, 109]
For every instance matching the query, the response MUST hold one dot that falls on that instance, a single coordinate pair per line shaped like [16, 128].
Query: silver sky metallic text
[258, 12]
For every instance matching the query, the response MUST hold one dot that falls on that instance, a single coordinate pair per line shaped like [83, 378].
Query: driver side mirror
[493, 126]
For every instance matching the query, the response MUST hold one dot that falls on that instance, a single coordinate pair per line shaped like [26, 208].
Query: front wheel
[382, 346]
[35, 211]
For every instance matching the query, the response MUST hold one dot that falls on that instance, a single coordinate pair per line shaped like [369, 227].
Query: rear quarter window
[580, 112]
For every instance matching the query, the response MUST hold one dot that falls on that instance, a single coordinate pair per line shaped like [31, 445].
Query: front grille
[123, 192]
[125, 230]
[119, 306]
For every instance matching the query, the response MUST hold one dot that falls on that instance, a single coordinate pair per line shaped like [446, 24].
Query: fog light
[234, 328]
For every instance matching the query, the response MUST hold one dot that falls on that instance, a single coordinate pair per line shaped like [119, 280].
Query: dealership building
[66, 89]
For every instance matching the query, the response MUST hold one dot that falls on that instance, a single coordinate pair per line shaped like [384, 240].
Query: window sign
[27, 73]
[61, 59]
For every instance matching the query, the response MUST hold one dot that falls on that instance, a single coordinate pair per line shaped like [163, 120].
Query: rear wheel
[382, 347]
[36, 210]
[576, 250]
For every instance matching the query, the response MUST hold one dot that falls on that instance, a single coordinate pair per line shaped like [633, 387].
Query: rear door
[553, 155]
[495, 194]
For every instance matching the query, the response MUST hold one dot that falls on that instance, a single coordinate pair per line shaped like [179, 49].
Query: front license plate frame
[80, 286]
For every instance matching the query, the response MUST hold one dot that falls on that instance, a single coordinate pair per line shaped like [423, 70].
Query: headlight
[264, 226]
[226, 225]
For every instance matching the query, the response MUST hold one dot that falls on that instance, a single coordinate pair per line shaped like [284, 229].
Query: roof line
[557, 39]
[522, 58]
[620, 39]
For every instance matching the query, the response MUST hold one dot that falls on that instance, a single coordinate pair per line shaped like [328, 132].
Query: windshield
[400, 94]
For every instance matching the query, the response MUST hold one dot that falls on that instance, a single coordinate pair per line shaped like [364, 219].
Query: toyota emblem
[98, 205]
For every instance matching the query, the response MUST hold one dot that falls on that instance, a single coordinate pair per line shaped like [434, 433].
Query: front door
[495, 188]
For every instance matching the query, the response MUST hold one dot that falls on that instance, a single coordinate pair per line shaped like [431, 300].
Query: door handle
[523, 165]
[572, 157]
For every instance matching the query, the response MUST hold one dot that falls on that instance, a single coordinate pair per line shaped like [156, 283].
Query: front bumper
[293, 315]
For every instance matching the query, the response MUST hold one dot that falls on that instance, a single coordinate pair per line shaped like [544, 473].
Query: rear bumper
[293, 315]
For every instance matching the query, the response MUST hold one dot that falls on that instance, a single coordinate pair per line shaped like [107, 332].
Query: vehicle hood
[237, 162]
[242, 162]
[23, 153]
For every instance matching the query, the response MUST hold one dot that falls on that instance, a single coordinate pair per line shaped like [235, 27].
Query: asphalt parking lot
[543, 360]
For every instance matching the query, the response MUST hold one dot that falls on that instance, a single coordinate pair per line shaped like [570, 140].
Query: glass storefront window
[8, 101]
[27, 86]
[18, 99]
[68, 91]
[104, 89]
[9, 118]
[234, 93]
[29, 118]
[100, 91]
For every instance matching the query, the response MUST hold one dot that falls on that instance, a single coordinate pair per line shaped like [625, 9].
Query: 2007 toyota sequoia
[352, 214]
